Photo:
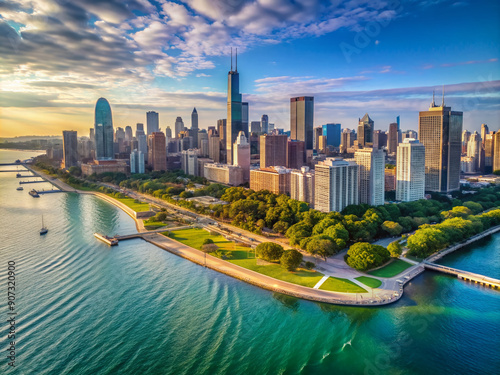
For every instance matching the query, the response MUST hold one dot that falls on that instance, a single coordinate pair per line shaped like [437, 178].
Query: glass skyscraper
[234, 109]
[103, 126]
[440, 131]
[301, 120]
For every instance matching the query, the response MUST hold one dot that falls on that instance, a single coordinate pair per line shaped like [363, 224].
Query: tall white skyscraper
[371, 175]
[302, 185]
[410, 171]
[241, 157]
[335, 185]
[473, 148]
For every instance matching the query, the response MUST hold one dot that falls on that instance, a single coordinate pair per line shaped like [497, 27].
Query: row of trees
[272, 252]
[459, 225]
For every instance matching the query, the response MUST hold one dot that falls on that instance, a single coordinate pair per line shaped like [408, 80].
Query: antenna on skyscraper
[442, 104]
[433, 102]
[231, 58]
[236, 58]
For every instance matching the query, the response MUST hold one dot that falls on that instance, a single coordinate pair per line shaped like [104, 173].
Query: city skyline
[172, 57]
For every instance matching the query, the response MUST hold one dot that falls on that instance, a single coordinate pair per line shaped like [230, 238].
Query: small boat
[20, 188]
[34, 194]
[111, 241]
[44, 228]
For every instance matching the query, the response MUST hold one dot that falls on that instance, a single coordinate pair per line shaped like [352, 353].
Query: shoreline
[255, 278]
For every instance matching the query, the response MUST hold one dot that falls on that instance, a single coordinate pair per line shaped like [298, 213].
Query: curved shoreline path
[391, 289]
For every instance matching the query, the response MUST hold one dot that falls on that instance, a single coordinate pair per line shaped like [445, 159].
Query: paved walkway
[323, 279]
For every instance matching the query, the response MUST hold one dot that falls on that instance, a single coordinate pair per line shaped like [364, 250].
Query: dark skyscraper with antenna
[194, 127]
[103, 126]
[234, 119]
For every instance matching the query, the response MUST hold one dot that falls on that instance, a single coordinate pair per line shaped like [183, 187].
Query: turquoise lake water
[86, 308]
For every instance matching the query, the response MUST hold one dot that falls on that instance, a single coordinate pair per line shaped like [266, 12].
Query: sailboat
[44, 228]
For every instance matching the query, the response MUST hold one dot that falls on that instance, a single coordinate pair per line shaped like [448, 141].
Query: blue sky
[380, 57]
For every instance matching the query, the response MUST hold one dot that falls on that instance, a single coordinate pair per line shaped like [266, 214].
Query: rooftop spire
[231, 58]
[442, 103]
[237, 61]
[433, 102]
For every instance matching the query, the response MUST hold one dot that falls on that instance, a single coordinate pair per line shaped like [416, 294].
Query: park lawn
[154, 225]
[130, 202]
[369, 281]
[336, 284]
[245, 257]
[392, 269]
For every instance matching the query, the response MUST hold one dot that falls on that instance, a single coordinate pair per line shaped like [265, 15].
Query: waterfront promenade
[390, 291]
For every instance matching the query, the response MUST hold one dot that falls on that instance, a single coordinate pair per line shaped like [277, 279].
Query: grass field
[392, 269]
[369, 281]
[245, 257]
[154, 225]
[336, 284]
[130, 202]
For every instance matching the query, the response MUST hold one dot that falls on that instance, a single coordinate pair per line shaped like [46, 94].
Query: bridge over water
[464, 275]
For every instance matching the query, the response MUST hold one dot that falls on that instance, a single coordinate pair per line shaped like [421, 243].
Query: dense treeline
[459, 225]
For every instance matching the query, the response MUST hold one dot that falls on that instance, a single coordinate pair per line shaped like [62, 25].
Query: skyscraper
[302, 185]
[332, 133]
[139, 130]
[440, 130]
[241, 157]
[295, 154]
[179, 127]
[264, 124]
[365, 131]
[70, 148]
[410, 171]
[489, 144]
[152, 122]
[214, 148]
[194, 127]
[348, 137]
[371, 163]
[234, 116]
[244, 118]
[142, 145]
[221, 129]
[392, 138]
[273, 150]
[465, 140]
[255, 127]
[473, 149]
[496, 151]
[484, 131]
[317, 132]
[379, 139]
[137, 161]
[335, 185]
[103, 125]
[301, 119]
[168, 132]
[157, 151]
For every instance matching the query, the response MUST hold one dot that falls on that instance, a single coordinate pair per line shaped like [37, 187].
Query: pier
[464, 275]
[25, 176]
[10, 170]
[49, 191]
[31, 182]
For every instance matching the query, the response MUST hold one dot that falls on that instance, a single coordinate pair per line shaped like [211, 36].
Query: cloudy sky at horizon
[383, 57]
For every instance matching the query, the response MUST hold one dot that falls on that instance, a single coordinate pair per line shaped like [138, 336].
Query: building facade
[70, 149]
[410, 171]
[273, 150]
[371, 185]
[335, 184]
[136, 162]
[274, 179]
[152, 122]
[103, 130]
[302, 119]
[365, 131]
[194, 127]
[440, 131]
[157, 157]
[241, 157]
[302, 185]
[224, 174]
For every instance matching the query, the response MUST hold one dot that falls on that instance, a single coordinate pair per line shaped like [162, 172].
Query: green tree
[426, 241]
[473, 206]
[208, 241]
[75, 171]
[395, 249]
[393, 228]
[322, 246]
[269, 251]
[291, 259]
[209, 248]
[458, 211]
[364, 256]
